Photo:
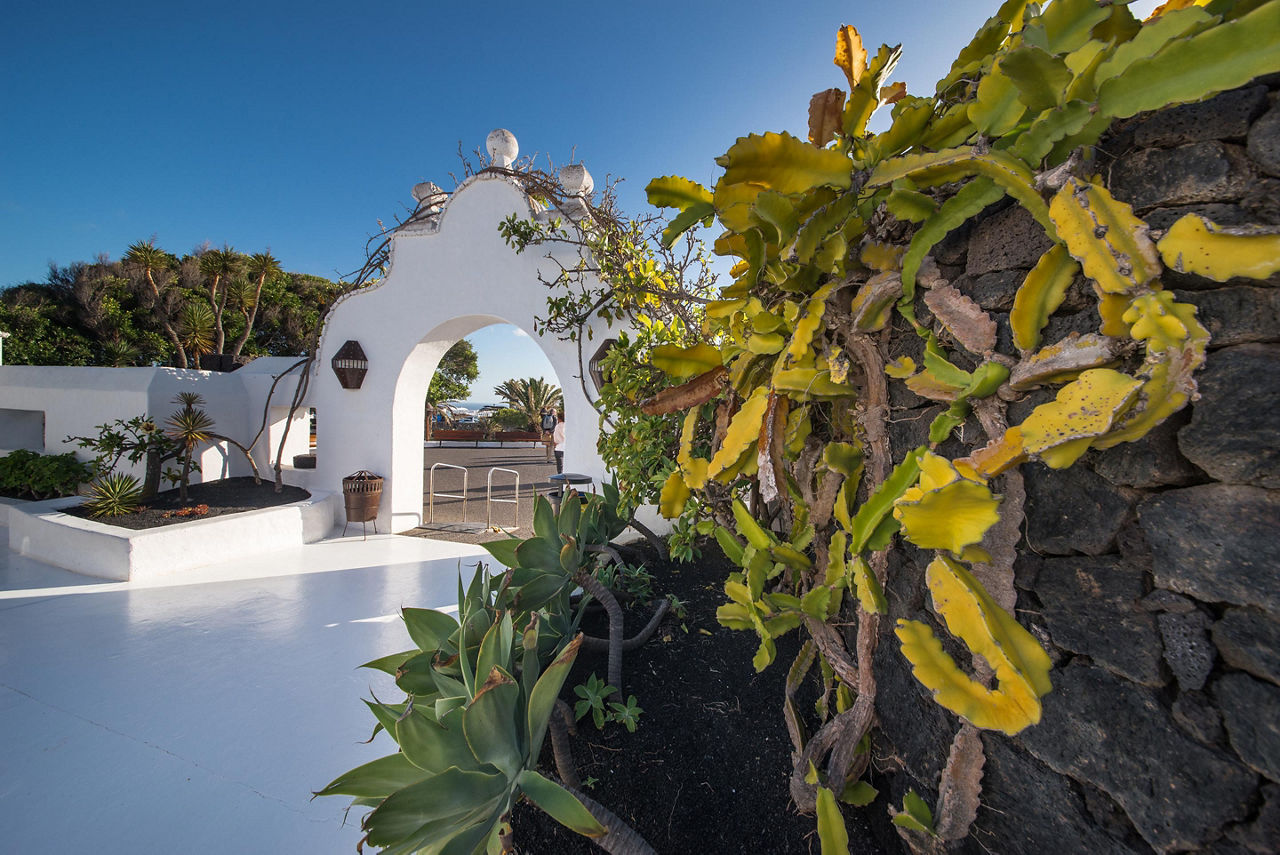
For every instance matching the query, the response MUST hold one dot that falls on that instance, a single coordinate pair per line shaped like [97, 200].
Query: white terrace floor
[197, 717]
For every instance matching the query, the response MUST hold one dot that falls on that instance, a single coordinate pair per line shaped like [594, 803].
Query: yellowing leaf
[783, 163]
[882, 256]
[682, 362]
[851, 56]
[945, 510]
[870, 594]
[900, 368]
[1040, 296]
[998, 455]
[1009, 708]
[1111, 244]
[1061, 430]
[674, 495]
[1195, 245]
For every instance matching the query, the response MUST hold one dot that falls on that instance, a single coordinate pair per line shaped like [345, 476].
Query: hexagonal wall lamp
[350, 364]
[595, 366]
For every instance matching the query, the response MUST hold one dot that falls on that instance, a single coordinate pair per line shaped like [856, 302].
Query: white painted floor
[197, 717]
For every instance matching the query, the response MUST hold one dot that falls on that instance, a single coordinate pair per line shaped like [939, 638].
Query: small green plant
[114, 495]
[27, 474]
[678, 607]
[627, 715]
[633, 579]
[593, 694]
[682, 542]
[915, 815]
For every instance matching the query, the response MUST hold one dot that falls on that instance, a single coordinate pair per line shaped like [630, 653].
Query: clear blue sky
[296, 126]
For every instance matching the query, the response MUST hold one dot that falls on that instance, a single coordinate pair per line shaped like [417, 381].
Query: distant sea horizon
[474, 405]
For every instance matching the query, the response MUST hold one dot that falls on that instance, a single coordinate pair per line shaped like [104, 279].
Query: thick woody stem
[561, 726]
[592, 586]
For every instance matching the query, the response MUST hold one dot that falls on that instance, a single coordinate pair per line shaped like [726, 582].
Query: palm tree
[188, 427]
[219, 267]
[530, 397]
[149, 260]
[261, 267]
[195, 330]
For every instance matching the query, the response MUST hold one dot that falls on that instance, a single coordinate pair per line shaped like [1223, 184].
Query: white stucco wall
[442, 285]
[74, 401]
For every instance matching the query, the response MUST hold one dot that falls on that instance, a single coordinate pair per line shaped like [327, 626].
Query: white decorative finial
[576, 181]
[502, 147]
[429, 195]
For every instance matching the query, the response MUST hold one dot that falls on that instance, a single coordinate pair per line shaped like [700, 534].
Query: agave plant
[546, 568]
[470, 731]
[114, 495]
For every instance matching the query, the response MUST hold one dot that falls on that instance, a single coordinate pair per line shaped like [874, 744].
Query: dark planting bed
[228, 496]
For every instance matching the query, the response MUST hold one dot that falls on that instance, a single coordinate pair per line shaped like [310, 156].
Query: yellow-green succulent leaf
[742, 435]
[985, 628]
[751, 530]
[778, 213]
[1191, 68]
[1195, 245]
[880, 503]
[1102, 233]
[1064, 360]
[864, 582]
[1068, 24]
[985, 380]
[844, 457]
[900, 368]
[1040, 77]
[1153, 36]
[816, 602]
[729, 545]
[873, 304]
[685, 220]
[675, 493]
[1111, 309]
[910, 205]
[1010, 708]
[672, 191]
[734, 616]
[1040, 296]
[1084, 409]
[948, 420]
[685, 362]
[945, 511]
[969, 201]
[783, 163]
[790, 556]
[806, 383]
[832, 834]
[807, 324]
[997, 109]
[1049, 128]
[911, 116]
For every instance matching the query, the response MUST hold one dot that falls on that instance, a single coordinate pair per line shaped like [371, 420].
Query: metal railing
[431, 499]
[489, 499]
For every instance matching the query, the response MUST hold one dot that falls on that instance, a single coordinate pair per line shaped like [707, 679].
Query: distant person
[548, 425]
[557, 437]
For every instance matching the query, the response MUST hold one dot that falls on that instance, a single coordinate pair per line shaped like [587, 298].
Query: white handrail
[489, 499]
[431, 500]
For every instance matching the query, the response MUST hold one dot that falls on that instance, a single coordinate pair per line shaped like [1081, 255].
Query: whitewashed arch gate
[447, 278]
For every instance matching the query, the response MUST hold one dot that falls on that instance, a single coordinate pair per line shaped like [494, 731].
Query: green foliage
[593, 694]
[29, 474]
[530, 397]
[480, 694]
[626, 714]
[457, 370]
[114, 495]
[632, 579]
[512, 419]
[134, 440]
[915, 815]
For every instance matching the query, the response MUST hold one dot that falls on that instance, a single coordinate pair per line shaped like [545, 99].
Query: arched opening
[483, 471]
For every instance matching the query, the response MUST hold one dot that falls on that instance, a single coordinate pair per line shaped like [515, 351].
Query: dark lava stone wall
[1151, 571]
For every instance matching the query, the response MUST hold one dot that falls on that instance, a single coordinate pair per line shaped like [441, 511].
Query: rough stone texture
[994, 292]
[1215, 212]
[1060, 326]
[1262, 202]
[1264, 142]
[1187, 649]
[1102, 729]
[1251, 711]
[1249, 640]
[1194, 714]
[1090, 608]
[1261, 834]
[1007, 240]
[1234, 434]
[1161, 600]
[1216, 542]
[1153, 461]
[1225, 116]
[1199, 172]
[1236, 315]
[1072, 510]
[1027, 809]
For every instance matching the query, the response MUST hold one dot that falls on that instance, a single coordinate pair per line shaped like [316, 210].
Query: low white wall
[38, 530]
[74, 401]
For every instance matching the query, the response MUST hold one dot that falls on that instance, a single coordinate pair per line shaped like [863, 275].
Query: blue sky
[297, 126]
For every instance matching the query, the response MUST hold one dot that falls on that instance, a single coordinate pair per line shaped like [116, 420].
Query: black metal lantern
[596, 364]
[350, 364]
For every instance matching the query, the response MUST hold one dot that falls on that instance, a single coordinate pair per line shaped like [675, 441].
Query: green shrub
[31, 475]
[114, 495]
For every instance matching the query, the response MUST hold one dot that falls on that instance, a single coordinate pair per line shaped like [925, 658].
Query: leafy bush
[28, 474]
[509, 418]
[114, 495]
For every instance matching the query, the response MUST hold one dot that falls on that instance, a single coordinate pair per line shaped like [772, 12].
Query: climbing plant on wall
[832, 241]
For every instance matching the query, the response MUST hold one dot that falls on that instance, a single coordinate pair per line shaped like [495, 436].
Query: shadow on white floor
[197, 716]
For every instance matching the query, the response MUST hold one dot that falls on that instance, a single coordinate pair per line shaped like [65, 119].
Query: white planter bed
[41, 531]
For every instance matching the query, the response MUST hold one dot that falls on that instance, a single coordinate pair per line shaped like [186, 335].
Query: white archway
[447, 279]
